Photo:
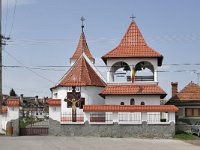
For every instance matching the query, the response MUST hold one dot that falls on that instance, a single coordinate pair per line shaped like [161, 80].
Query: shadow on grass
[180, 135]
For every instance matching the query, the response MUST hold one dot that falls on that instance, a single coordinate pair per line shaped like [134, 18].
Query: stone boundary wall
[143, 130]
[15, 125]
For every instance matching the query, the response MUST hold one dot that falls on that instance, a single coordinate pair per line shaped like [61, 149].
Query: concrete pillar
[144, 116]
[87, 117]
[172, 117]
[155, 75]
[115, 117]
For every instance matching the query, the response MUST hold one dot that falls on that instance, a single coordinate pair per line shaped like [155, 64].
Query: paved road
[91, 143]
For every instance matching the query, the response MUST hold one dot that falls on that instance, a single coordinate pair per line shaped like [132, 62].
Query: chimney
[174, 88]
[21, 98]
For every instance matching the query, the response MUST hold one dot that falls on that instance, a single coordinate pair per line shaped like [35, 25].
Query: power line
[49, 69]
[13, 18]
[6, 16]
[22, 65]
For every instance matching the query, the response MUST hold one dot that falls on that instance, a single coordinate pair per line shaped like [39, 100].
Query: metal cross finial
[82, 20]
[132, 17]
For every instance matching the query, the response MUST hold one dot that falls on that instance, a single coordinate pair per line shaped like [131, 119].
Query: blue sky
[46, 33]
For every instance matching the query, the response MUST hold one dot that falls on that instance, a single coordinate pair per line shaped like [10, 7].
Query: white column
[87, 116]
[171, 116]
[155, 75]
[144, 116]
[115, 117]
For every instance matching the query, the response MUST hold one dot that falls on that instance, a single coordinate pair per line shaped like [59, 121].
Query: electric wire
[13, 18]
[22, 65]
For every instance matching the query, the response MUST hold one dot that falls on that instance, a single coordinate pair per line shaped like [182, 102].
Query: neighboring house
[10, 115]
[188, 102]
[33, 106]
[131, 95]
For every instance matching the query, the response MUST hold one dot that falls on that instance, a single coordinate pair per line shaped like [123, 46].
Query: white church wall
[90, 93]
[147, 99]
[54, 113]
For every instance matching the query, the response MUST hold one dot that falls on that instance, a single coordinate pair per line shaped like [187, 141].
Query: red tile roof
[133, 89]
[133, 45]
[82, 47]
[190, 92]
[81, 74]
[54, 102]
[4, 109]
[13, 102]
[130, 108]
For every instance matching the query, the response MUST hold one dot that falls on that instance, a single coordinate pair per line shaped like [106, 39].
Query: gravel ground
[92, 143]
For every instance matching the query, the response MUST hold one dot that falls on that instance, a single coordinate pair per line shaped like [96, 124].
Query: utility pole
[1, 42]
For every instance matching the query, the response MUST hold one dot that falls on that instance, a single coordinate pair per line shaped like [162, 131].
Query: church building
[127, 102]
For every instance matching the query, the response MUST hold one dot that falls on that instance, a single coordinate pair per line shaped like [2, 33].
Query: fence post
[144, 116]
[87, 117]
[115, 117]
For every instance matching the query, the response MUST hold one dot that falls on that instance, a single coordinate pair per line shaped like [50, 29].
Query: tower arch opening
[144, 71]
[121, 72]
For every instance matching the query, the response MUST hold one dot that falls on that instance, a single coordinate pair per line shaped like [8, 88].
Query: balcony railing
[101, 117]
[130, 117]
[144, 78]
[68, 118]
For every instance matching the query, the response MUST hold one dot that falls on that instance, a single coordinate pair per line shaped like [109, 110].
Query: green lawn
[185, 136]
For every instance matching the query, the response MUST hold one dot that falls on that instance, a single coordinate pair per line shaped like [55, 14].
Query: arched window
[142, 103]
[122, 103]
[132, 101]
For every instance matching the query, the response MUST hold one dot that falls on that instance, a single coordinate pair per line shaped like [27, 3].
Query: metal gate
[37, 128]
[34, 116]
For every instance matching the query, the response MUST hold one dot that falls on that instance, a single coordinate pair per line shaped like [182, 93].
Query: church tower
[132, 70]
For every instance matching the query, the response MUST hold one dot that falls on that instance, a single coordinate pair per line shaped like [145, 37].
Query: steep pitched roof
[130, 108]
[133, 89]
[189, 92]
[81, 74]
[133, 45]
[82, 47]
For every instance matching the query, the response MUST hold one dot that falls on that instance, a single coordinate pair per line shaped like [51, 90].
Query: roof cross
[82, 20]
[132, 17]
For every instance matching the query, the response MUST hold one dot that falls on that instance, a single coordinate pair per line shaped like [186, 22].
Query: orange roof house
[188, 102]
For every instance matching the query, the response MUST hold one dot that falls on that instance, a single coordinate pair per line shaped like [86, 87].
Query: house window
[132, 101]
[122, 103]
[54, 108]
[192, 112]
[142, 103]
[55, 95]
